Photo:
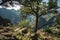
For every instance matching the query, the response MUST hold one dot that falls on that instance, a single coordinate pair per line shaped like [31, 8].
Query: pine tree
[37, 8]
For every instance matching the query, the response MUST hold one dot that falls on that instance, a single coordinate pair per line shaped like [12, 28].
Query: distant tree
[52, 4]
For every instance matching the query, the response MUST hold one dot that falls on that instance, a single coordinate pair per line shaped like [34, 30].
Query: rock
[24, 30]
[47, 39]
[5, 22]
[28, 34]
[17, 29]
[34, 36]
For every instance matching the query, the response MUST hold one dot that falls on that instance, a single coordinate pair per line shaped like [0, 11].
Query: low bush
[48, 30]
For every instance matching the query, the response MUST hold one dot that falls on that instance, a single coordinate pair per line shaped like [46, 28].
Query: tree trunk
[36, 25]
[37, 16]
[35, 37]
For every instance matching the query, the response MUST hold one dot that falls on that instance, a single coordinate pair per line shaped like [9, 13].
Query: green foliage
[30, 5]
[48, 30]
[23, 23]
[18, 37]
[40, 37]
[52, 4]
[25, 9]
[43, 12]
[58, 20]
[25, 38]
[24, 12]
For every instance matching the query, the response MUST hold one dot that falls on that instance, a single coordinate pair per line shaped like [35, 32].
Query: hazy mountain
[10, 14]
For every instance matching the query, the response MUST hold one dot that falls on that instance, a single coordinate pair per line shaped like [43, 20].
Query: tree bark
[36, 25]
[35, 37]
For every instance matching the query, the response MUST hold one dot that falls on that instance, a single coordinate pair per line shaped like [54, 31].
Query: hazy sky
[45, 0]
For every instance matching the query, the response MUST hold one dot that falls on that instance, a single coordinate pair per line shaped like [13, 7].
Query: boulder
[5, 22]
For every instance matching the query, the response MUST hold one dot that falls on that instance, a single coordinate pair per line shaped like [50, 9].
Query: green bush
[24, 23]
[58, 20]
[48, 30]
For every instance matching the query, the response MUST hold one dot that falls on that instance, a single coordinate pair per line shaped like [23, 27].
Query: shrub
[58, 20]
[24, 23]
[48, 30]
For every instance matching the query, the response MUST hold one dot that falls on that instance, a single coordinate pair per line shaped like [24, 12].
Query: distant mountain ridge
[12, 15]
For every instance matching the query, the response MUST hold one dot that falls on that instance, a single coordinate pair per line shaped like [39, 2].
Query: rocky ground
[7, 33]
[16, 33]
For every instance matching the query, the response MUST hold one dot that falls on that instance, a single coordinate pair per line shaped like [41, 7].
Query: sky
[45, 0]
